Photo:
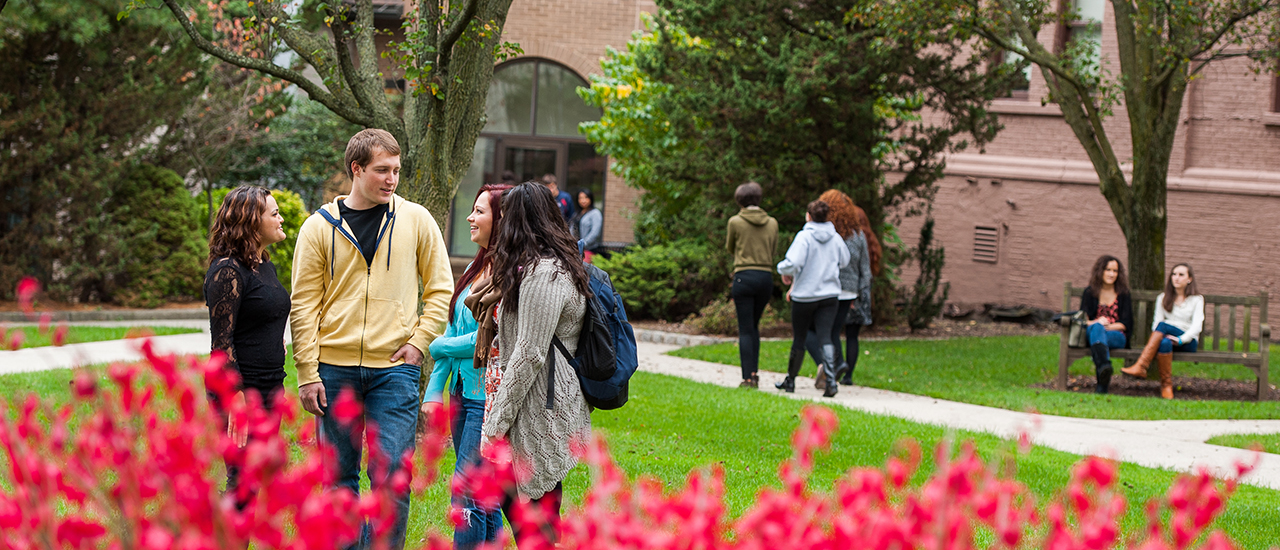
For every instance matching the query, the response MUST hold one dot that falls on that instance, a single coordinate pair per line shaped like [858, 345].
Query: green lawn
[79, 334]
[999, 372]
[1270, 442]
[672, 426]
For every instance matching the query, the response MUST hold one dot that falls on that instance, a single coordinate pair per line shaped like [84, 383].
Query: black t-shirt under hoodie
[364, 226]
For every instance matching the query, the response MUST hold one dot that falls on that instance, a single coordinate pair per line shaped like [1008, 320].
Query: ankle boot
[820, 379]
[1139, 368]
[787, 384]
[1101, 367]
[833, 385]
[846, 373]
[1164, 362]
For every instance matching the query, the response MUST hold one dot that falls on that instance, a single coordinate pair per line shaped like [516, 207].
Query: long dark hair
[235, 229]
[1100, 267]
[532, 229]
[582, 211]
[495, 191]
[1170, 293]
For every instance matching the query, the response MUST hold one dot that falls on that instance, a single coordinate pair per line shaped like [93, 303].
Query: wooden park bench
[1217, 342]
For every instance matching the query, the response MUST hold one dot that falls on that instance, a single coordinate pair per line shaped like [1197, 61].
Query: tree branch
[458, 26]
[314, 91]
[1217, 34]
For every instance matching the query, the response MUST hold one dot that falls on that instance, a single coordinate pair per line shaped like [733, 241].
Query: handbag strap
[556, 344]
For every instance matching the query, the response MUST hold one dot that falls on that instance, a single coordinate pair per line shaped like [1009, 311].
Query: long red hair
[478, 265]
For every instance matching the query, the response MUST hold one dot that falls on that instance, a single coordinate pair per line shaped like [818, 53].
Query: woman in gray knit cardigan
[543, 286]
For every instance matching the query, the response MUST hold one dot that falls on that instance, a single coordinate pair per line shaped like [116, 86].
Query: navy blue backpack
[606, 356]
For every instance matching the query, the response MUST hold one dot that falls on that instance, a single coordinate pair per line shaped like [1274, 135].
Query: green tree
[163, 247]
[1163, 45]
[447, 57]
[800, 96]
[301, 153]
[82, 95]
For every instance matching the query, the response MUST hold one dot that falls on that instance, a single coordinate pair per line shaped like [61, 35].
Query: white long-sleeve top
[1188, 316]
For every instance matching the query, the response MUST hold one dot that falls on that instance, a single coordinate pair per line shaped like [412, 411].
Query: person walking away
[248, 308]
[752, 239]
[453, 354]
[855, 286]
[543, 290]
[563, 200]
[1178, 321]
[588, 224]
[1109, 307]
[355, 324]
[812, 268]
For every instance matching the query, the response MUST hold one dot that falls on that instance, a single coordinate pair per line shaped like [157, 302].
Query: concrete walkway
[1171, 444]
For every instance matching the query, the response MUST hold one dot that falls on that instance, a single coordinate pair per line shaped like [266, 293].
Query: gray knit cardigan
[540, 438]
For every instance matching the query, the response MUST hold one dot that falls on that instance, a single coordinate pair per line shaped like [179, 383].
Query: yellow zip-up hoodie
[349, 313]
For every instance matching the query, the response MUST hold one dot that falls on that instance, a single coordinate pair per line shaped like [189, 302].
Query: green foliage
[301, 153]
[159, 227]
[82, 95]
[293, 212]
[667, 281]
[718, 317]
[924, 302]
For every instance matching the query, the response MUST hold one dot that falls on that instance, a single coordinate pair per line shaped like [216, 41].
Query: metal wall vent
[986, 244]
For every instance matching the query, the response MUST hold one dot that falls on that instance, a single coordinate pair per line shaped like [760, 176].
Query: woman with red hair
[854, 306]
[454, 353]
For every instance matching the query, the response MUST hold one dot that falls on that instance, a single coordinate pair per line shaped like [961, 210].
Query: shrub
[160, 231]
[718, 317]
[668, 281]
[291, 209]
[924, 302]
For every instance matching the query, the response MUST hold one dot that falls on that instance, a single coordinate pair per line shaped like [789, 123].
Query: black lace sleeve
[223, 293]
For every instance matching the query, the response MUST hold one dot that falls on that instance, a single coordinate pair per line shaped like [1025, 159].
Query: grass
[1000, 372]
[79, 334]
[1270, 443]
[672, 426]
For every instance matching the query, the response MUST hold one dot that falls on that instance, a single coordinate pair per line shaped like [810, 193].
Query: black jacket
[1089, 303]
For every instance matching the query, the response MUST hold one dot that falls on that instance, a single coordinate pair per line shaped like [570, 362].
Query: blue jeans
[390, 400]
[481, 525]
[1099, 334]
[1167, 345]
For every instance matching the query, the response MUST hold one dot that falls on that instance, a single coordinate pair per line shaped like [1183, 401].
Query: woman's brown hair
[495, 191]
[1100, 268]
[532, 229]
[1170, 293]
[235, 229]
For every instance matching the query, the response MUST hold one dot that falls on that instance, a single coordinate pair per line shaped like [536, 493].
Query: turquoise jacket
[453, 352]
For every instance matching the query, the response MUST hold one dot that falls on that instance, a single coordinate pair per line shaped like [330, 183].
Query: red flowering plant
[136, 463]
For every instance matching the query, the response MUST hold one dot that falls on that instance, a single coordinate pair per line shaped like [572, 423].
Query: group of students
[356, 327]
[1176, 325]
[829, 267]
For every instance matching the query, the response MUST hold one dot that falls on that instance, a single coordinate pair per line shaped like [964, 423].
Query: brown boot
[1164, 362]
[1139, 368]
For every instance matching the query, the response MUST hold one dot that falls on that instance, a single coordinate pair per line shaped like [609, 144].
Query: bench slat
[1231, 330]
[1217, 326]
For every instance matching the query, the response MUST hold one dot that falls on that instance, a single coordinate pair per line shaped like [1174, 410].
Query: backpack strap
[556, 344]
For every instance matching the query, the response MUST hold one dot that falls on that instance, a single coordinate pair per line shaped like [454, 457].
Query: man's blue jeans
[1167, 346]
[1099, 334]
[481, 525]
[390, 400]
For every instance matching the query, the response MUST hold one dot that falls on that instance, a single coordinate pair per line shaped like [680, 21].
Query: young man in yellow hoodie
[354, 318]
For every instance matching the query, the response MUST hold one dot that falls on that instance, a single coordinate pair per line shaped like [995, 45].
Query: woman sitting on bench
[1110, 310]
[1178, 320]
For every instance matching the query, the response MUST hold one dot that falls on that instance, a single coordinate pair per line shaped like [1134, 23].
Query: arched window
[533, 112]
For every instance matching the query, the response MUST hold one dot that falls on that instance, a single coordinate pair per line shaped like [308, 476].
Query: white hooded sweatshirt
[814, 260]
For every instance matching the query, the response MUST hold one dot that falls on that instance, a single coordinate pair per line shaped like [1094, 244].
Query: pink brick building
[1033, 189]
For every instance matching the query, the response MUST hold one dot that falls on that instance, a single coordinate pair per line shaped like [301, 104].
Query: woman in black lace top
[248, 307]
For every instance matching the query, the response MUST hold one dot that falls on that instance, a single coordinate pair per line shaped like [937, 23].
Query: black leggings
[821, 315]
[751, 292]
[851, 331]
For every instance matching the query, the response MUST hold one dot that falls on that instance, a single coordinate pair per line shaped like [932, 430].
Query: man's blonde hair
[360, 147]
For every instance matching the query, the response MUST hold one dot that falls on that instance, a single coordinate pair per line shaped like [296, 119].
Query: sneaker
[753, 382]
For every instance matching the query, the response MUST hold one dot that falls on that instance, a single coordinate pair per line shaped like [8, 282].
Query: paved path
[1168, 444]
[1171, 444]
